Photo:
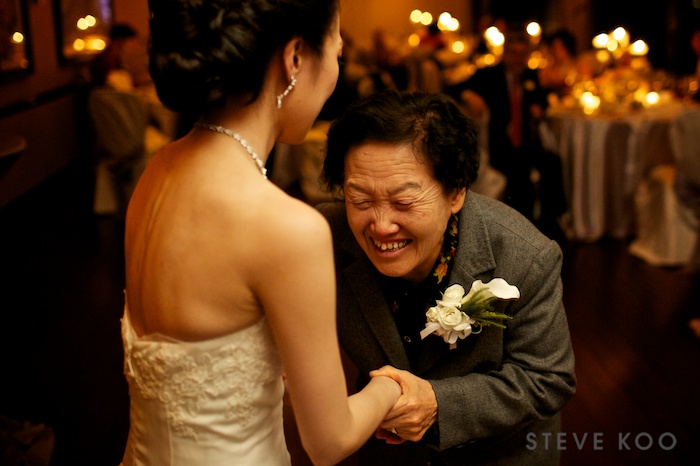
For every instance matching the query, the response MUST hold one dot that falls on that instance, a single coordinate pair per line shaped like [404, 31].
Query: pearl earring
[286, 91]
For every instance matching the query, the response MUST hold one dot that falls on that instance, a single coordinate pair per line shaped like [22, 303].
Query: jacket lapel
[474, 257]
[373, 306]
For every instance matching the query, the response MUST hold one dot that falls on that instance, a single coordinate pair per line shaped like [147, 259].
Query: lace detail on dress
[183, 376]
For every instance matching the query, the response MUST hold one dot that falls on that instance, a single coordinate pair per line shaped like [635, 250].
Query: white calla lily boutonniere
[457, 316]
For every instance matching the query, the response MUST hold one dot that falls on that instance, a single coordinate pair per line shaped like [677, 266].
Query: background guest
[563, 66]
[108, 67]
[516, 102]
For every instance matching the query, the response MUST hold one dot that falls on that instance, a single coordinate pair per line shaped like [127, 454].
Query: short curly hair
[202, 51]
[432, 123]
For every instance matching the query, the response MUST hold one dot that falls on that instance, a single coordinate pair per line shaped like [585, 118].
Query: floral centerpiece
[457, 316]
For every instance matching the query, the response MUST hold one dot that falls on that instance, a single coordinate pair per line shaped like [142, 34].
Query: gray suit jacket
[499, 392]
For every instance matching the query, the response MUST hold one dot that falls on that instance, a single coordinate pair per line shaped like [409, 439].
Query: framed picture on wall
[82, 27]
[15, 53]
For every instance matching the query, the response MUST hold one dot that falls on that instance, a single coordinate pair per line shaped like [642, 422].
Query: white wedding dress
[213, 402]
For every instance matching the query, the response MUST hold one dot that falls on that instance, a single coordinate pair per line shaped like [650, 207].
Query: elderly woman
[408, 229]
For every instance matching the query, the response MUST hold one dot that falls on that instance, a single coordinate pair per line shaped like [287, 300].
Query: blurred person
[230, 296]
[406, 232]
[563, 67]
[108, 67]
[687, 65]
[389, 60]
[516, 102]
[687, 56]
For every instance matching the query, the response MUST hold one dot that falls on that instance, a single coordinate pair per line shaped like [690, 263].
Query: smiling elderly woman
[407, 229]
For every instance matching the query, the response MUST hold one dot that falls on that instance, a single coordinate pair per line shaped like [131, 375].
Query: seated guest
[563, 66]
[516, 102]
[408, 229]
[109, 64]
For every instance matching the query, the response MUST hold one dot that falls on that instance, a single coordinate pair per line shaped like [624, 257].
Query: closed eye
[402, 205]
[361, 204]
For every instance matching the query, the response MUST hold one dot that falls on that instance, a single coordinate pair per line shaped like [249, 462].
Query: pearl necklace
[241, 141]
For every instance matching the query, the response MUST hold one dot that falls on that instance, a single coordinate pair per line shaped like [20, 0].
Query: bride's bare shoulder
[294, 216]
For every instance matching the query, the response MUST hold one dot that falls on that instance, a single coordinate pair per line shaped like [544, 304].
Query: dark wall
[664, 25]
[47, 105]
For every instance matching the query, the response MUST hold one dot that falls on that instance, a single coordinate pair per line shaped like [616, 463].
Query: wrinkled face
[396, 209]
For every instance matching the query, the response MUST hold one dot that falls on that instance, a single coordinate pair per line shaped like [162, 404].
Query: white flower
[432, 314]
[449, 320]
[498, 288]
[452, 296]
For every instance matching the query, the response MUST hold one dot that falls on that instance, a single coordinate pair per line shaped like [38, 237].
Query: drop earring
[286, 91]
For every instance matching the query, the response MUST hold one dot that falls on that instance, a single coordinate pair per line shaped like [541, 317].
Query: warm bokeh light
[533, 63]
[494, 37]
[639, 47]
[454, 25]
[90, 20]
[414, 40]
[491, 32]
[619, 34]
[96, 43]
[78, 45]
[589, 102]
[444, 19]
[18, 37]
[489, 59]
[602, 56]
[82, 24]
[601, 41]
[426, 19]
[533, 29]
[458, 46]
[652, 98]
[416, 16]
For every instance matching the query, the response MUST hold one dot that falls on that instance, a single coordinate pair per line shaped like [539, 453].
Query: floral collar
[448, 251]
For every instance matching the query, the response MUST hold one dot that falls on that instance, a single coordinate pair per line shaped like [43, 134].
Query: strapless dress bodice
[213, 402]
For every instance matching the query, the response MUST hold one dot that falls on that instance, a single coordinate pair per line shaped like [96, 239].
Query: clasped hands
[414, 411]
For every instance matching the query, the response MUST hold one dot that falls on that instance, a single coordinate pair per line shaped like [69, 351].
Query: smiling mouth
[390, 247]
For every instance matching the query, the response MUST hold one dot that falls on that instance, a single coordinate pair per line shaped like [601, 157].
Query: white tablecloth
[604, 157]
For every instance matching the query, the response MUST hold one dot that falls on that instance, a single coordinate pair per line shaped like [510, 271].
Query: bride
[229, 281]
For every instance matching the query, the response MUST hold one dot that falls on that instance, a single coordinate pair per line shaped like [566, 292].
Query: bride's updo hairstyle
[202, 51]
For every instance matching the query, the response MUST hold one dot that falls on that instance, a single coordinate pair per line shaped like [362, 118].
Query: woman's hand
[414, 412]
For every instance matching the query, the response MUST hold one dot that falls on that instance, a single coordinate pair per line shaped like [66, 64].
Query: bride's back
[197, 225]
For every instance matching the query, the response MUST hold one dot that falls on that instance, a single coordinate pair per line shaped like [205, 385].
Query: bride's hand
[416, 409]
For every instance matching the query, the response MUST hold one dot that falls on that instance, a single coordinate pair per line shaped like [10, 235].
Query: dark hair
[121, 31]
[567, 39]
[202, 51]
[432, 123]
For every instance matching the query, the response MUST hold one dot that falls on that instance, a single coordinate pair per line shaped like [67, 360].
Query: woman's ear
[292, 57]
[457, 199]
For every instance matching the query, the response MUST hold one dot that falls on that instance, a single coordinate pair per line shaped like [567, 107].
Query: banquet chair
[686, 139]
[424, 73]
[123, 144]
[667, 228]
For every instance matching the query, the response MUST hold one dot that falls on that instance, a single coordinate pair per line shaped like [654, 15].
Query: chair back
[119, 121]
[686, 141]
